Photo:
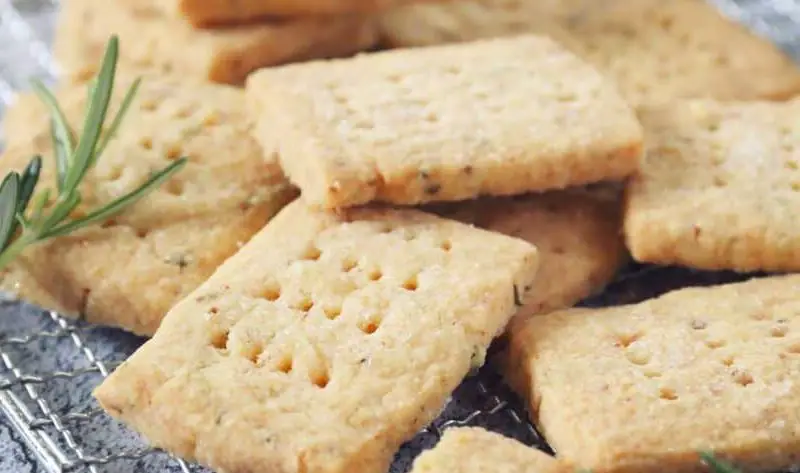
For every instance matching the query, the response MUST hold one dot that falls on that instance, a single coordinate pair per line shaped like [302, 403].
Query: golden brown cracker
[719, 187]
[444, 123]
[154, 42]
[131, 269]
[475, 450]
[643, 388]
[577, 232]
[214, 13]
[325, 343]
[657, 51]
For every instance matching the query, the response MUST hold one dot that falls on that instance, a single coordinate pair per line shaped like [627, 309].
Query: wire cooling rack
[49, 421]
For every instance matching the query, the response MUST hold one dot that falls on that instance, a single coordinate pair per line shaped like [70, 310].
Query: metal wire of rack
[49, 364]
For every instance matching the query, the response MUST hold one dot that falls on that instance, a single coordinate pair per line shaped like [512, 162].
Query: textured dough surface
[642, 388]
[130, 270]
[578, 235]
[657, 51]
[495, 117]
[152, 41]
[719, 187]
[475, 450]
[325, 343]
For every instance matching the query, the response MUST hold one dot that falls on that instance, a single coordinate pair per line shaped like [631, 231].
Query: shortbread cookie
[719, 188]
[470, 449]
[643, 388]
[152, 41]
[657, 51]
[129, 271]
[204, 13]
[444, 123]
[577, 233]
[325, 343]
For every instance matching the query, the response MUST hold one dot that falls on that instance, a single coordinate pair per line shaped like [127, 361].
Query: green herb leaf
[717, 465]
[123, 109]
[84, 155]
[20, 202]
[119, 204]
[63, 208]
[9, 195]
[60, 133]
[39, 203]
[30, 177]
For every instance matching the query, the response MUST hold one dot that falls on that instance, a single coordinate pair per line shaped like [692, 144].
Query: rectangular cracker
[642, 388]
[475, 450]
[207, 13]
[444, 123]
[578, 234]
[657, 51]
[152, 41]
[129, 271]
[324, 344]
[719, 188]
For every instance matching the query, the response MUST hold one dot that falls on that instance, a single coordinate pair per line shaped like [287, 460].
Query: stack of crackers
[350, 235]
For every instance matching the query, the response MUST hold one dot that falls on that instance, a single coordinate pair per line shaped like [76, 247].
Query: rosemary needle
[718, 466]
[24, 218]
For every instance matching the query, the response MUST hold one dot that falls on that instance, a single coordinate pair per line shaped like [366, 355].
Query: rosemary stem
[15, 248]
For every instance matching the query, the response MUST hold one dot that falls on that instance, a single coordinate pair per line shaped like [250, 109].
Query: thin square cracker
[130, 270]
[154, 42]
[719, 187]
[642, 388]
[475, 450]
[205, 13]
[578, 235]
[445, 123]
[325, 343]
[657, 51]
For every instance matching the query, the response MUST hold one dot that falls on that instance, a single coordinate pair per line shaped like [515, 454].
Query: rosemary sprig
[717, 465]
[24, 218]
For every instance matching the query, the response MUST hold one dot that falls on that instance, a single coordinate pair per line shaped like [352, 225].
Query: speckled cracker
[657, 51]
[325, 343]
[475, 450]
[154, 42]
[204, 13]
[129, 271]
[720, 187]
[444, 123]
[643, 388]
[577, 233]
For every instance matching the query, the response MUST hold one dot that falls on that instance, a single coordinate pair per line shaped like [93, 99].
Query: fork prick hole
[668, 394]
[411, 284]
[219, 340]
[271, 293]
[369, 326]
[333, 312]
[285, 364]
[312, 253]
[321, 380]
